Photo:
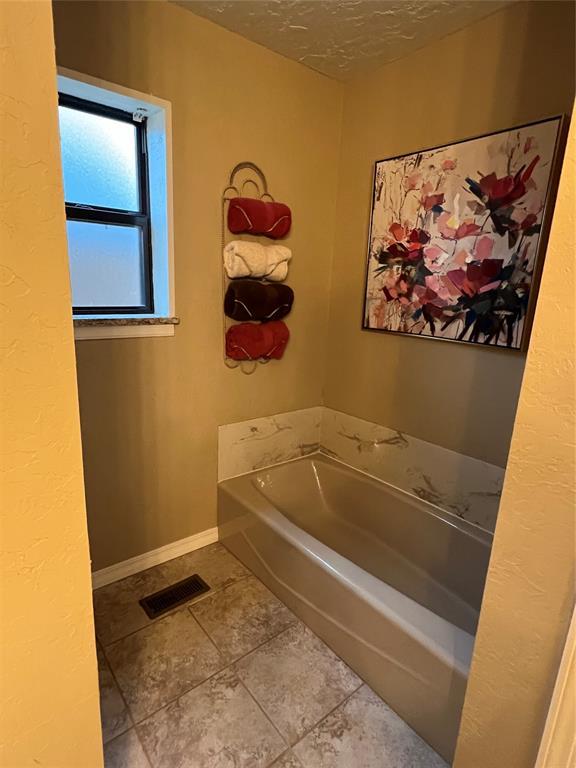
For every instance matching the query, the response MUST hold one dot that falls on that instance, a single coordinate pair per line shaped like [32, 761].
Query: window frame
[115, 216]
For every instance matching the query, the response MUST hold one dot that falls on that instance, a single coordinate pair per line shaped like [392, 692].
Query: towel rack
[257, 179]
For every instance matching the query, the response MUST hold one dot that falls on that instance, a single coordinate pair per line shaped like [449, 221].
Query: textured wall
[150, 407]
[513, 67]
[48, 680]
[530, 589]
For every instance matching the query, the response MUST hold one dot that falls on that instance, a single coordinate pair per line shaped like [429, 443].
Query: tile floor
[233, 680]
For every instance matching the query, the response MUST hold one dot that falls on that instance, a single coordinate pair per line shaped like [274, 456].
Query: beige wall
[150, 407]
[513, 67]
[530, 588]
[48, 680]
[151, 459]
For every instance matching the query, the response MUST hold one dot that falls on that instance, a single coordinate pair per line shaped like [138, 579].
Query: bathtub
[392, 583]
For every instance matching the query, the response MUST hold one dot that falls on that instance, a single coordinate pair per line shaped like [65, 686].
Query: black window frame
[115, 216]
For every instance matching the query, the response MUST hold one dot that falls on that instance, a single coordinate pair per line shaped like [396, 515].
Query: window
[107, 208]
[116, 170]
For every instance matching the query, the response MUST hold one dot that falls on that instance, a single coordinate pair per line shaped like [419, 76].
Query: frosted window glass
[99, 160]
[106, 265]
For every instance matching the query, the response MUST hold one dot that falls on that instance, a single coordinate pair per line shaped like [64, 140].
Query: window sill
[124, 328]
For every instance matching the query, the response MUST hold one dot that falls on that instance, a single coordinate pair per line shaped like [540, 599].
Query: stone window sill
[124, 328]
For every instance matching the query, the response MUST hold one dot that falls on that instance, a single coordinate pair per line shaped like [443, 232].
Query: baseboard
[155, 557]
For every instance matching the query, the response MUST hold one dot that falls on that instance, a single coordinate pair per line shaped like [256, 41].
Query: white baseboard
[155, 557]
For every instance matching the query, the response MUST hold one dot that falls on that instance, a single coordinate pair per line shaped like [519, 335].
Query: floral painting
[455, 237]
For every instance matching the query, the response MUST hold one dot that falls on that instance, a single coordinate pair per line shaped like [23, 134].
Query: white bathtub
[392, 583]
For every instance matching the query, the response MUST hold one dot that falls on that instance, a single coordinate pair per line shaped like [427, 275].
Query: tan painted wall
[150, 407]
[530, 589]
[513, 67]
[48, 680]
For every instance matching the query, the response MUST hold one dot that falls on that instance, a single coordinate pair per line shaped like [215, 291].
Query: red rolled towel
[250, 341]
[247, 215]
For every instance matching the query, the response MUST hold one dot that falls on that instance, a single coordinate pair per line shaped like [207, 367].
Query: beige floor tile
[287, 760]
[116, 609]
[117, 612]
[125, 752]
[213, 720]
[113, 712]
[365, 733]
[162, 661]
[242, 617]
[297, 680]
[215, 725]
[218, 567]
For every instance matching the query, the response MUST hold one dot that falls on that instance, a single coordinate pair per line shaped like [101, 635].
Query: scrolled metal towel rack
[258, 180]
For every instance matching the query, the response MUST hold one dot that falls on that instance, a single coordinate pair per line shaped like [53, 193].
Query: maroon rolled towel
[251, 341]
[254, 300]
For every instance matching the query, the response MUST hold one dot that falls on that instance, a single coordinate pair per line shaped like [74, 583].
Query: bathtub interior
[429, 555]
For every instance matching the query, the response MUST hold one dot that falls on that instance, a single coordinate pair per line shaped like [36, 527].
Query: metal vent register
[176, 594]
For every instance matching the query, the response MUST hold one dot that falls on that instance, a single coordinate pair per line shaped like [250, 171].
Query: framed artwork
[457, 237]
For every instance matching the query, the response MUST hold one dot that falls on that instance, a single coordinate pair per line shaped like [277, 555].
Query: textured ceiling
[342, 38]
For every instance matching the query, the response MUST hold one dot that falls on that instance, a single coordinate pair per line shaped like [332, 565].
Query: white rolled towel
[248, 259]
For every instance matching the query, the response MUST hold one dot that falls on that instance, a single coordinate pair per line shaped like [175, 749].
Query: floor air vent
[171, 597]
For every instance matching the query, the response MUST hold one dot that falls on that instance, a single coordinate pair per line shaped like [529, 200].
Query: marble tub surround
[249, 445]
[459, 484]
[235, 678]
